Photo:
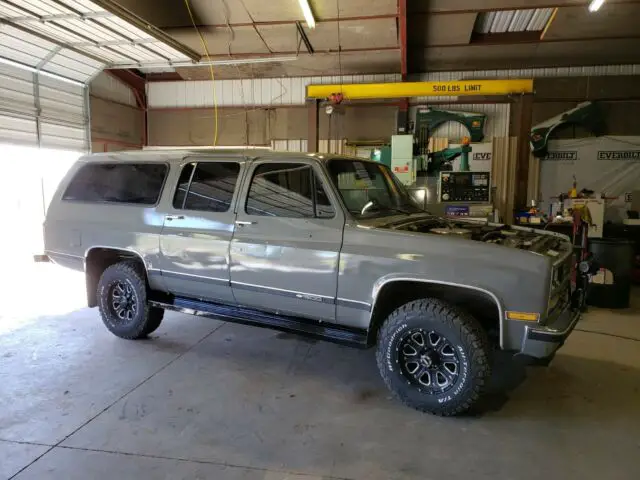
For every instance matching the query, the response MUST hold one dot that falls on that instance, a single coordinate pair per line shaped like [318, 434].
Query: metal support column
[313, 125]
[87, 115]
[522, 112]
[38, 109]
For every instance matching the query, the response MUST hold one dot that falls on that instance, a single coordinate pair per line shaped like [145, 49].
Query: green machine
[586, 115]
[427, 121]
[442, 160]
[382, 155]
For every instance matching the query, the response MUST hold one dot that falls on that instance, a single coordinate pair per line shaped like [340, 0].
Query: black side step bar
[247, 316]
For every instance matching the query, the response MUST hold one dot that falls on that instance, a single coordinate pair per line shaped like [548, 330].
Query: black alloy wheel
[123, 302]
[428, 361]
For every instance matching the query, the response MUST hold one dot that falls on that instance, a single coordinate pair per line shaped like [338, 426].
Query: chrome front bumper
[543, 341]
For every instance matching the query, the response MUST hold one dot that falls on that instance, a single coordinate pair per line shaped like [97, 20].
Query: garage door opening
[30, 178]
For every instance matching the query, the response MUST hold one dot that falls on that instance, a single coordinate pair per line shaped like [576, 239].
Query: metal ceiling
[532, 20]
[75, 39]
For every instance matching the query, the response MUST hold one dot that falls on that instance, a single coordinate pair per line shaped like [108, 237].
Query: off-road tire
[465, 336]
[145, 320]
[156, 315]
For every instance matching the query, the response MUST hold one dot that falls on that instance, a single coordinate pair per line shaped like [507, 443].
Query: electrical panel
[468, 187]
[402, 161]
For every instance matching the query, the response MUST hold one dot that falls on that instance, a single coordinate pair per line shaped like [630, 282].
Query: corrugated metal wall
[41, 111]
[497, 120]
[291, 91]
[109, 88]
[603, 70]
[244, 92]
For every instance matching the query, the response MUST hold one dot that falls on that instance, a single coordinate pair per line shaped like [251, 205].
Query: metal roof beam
[54, 41]
[114, 43]
[62, 16]
[135, 20]
[48, 57]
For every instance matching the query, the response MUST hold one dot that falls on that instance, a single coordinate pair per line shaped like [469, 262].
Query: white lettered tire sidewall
[460, 330]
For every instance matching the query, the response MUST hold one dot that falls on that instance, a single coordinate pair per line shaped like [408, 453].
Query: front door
[286, 245]
[198, 227]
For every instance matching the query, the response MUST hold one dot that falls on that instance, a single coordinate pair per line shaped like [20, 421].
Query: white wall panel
[291, 90]
[245, 92]
[299, 145]
[497, 120]
[110, 88]
[601, 70]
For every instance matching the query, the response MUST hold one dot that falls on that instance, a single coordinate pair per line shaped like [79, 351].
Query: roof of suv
[168, 154]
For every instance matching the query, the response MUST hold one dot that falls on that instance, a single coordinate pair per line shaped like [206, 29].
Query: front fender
[388, 279]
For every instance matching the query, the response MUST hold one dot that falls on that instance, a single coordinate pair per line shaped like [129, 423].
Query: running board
[283, 323]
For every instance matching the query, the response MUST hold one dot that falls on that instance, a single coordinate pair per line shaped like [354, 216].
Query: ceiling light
[595, 5]
[308, 14]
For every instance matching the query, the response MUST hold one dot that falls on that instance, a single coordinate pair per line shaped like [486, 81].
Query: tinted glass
[211, 187]
[324, 209]
[183, 186]
[139, 183]
[281, 190]
[370, 189]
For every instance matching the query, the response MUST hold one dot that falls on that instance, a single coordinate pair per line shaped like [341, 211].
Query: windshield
[370, 189]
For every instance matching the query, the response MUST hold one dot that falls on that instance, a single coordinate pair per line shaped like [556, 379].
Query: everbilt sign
[482, 156]
[562, 156]
[620, 155]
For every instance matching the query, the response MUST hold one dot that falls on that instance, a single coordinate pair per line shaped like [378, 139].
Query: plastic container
[611, 287]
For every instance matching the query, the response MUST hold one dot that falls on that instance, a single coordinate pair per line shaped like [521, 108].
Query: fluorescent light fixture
[215, 63]
[44, 73]
[308, 14]
[595, 5]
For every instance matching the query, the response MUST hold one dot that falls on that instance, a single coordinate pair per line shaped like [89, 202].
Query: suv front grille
[560, 291]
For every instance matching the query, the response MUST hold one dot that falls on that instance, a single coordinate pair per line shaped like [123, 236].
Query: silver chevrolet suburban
[322, 245]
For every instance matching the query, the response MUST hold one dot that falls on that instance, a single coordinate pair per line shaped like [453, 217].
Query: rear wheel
[434, 357]
[122, 300]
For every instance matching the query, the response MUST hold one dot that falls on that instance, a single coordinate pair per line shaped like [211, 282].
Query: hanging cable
[339, 45]
[213, 78]
[339, 133]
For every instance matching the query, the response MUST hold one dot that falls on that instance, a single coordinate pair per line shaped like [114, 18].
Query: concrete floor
[209, 400]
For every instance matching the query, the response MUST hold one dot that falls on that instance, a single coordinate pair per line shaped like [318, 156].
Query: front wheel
[434, 357]
[122, 300]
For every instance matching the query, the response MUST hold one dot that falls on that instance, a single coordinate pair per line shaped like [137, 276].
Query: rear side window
[287, 190]
[138, 183]
[207, 186]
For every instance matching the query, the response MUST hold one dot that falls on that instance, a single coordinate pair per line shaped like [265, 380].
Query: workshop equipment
[442, 160]
[403, 165]
[467, 187]
[382, 155]
[587, 115]
[429, 119]
[611, 286]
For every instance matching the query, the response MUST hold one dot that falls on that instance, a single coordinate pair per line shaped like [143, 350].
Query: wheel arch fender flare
[92, 273]
[391, 279]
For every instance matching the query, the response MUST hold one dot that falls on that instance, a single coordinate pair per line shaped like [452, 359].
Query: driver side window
[289, 190]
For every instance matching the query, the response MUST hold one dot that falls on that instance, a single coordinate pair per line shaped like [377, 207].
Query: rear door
[198, 227]
[286, 245]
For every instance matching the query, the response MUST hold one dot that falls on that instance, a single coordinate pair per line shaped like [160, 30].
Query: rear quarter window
[132, 183]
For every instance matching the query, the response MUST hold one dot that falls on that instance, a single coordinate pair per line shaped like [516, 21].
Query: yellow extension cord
[213, 79]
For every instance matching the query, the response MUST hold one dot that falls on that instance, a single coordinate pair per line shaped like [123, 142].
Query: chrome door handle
[244, 222]
[174, 217]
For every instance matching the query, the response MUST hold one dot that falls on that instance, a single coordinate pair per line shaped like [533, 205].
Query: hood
[543, 242]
